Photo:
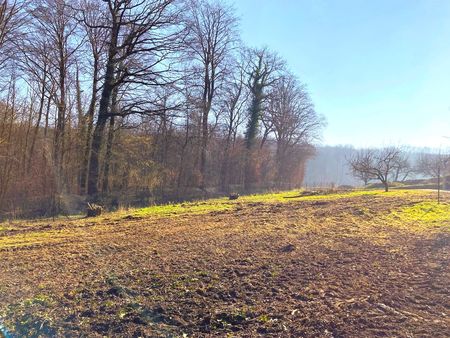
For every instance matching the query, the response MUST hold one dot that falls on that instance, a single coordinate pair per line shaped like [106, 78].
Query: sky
[379, 71]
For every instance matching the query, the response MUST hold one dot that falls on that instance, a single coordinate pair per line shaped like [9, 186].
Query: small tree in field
[378, 164]
[436, 166]
[359, 165]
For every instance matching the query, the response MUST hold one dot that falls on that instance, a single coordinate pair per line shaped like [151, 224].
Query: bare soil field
[341, 265]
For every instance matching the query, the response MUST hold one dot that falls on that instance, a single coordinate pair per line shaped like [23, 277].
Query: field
[354, 264]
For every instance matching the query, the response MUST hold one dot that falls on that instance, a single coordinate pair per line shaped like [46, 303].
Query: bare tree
[360, 165]
[211, 28]
[12, 19]
[291, 118]
[262, 72]
[435, 166]
[33, 60]
[140, 38]
[234, 102]
[96, 35]
[402, 168]
[53, 19]
[380, 164]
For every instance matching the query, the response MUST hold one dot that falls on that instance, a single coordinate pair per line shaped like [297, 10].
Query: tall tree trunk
[97, 137]
[250, 137]
[206, 107]
[108, 155]
[39, 118]
[204, 144]
[182, 156]
[61, 121]
[81, 128]
[90, 126]
[25, 153]
[110, 141]
[224, 172]
[97, 140]
[105, 100]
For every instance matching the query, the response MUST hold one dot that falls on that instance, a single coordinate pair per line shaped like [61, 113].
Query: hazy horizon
[378, 71]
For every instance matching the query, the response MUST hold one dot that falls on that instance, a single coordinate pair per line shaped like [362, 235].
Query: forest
[126, 102]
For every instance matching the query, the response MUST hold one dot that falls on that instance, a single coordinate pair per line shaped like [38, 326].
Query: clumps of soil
[288, 248]
[321, 192]
[93, 210]
[233, 196]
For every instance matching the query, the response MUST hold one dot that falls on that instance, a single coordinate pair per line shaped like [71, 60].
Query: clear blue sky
[378, 70]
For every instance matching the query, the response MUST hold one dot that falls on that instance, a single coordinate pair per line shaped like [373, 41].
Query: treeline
[136, 100]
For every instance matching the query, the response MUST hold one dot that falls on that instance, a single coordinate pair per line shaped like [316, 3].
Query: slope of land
[354, 264]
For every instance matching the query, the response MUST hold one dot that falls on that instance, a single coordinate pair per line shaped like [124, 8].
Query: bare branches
[263, 71]
[291, 118]
[141, 35]
[210, 38]
[384, 165]
[11, 23]
[436, 166]
[120, 94]
[291, 112]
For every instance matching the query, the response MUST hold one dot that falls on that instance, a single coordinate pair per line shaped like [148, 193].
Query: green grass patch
[423, 215]
[222, 204]
[191, 208]
[75, 227]
[287, 196]
[212, 205]
[428, 212]
[33, 238]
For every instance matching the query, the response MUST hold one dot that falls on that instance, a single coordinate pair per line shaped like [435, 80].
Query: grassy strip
[76, 227]
[422, 216]
[221, 204]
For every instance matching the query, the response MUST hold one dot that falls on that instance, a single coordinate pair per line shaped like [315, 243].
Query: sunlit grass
[422, 216]
[192, 208]
[75, 226]
[210, 205]
[430, 212]
[34, 238]
[287, 196]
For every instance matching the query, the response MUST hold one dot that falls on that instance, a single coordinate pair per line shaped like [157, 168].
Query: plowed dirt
[338, 267]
